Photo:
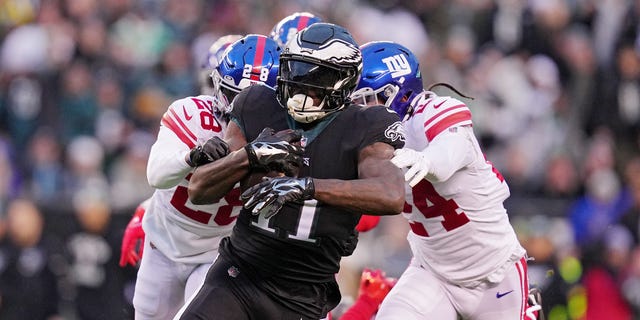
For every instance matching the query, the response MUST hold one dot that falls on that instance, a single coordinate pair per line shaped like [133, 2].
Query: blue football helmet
[216, 50]
[214, 54]
[287, 28]
[390, 77]
[251, 60]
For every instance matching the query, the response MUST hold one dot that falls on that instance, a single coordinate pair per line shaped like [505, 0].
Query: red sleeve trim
[183, 126]
[168, 122]
[447, 122]
[426, 124]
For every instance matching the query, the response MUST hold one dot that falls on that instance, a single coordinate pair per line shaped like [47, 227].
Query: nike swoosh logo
[436, 106]
[500, 295]
[186, 115]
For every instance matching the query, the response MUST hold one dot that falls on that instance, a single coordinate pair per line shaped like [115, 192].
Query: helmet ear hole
[406, 96]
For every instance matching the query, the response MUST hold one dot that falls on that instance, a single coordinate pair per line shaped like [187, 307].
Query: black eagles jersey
[306, 242]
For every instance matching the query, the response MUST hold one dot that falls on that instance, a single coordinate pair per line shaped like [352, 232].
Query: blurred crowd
[556, 105]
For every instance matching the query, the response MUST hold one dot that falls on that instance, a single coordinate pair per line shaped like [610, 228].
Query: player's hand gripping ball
[276, 151]
[268, 196]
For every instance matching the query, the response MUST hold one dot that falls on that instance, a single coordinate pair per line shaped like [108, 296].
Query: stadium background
[83, 84]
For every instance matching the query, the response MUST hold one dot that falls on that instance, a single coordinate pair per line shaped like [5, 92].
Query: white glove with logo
[417, 163]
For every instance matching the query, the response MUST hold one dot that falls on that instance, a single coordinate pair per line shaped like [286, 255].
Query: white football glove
[416, 162]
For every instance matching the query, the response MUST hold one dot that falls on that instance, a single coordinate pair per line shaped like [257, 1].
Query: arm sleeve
[449, 152]
[167, 165]
[382, 126]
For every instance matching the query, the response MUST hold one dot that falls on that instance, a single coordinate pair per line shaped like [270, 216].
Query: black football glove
[212, 150]
[276, 151]
[268, 196]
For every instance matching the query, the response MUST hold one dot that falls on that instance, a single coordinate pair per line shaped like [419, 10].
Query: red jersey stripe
[169, 123]
[448, 122]
[257, 59]
[521, 266]
[183, 126]
[426, 124]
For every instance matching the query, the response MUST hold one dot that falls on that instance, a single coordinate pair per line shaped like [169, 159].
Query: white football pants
[163, 285]
[419, 294]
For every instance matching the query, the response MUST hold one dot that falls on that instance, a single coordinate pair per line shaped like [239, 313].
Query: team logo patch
[186, 115]
[336, 51]
[500, 295]
[233, 271]
[303, 142]
[397, 65]
[395, 132]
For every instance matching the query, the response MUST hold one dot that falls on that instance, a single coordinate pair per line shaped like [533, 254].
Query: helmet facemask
[220, 92]
[311, 90]
[390, 95]
[382, 96]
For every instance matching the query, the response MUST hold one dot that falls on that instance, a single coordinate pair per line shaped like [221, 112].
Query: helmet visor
[309, 73]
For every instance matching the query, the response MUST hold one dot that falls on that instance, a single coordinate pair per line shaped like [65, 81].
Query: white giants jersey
[185, 232]
[459, 226]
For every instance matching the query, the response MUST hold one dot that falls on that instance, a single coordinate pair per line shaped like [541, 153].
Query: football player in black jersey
[310, 164]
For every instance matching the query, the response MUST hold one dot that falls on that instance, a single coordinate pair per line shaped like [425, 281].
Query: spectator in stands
[28, 286]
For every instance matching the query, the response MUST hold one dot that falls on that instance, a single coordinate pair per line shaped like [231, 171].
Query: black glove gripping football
[268, 196]
[276, 151]
[212, 150]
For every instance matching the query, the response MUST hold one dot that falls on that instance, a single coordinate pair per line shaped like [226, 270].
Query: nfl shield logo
[233, 271]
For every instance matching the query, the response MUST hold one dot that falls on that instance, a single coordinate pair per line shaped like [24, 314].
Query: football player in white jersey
[467, 261]
[133, 238]
[182, 238]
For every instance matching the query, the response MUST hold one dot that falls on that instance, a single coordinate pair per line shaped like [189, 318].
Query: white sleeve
[167, 165]
[449, 152]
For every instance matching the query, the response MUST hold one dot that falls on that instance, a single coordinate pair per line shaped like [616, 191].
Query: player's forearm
[376, 196]
[166, 169]
[210, 182]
